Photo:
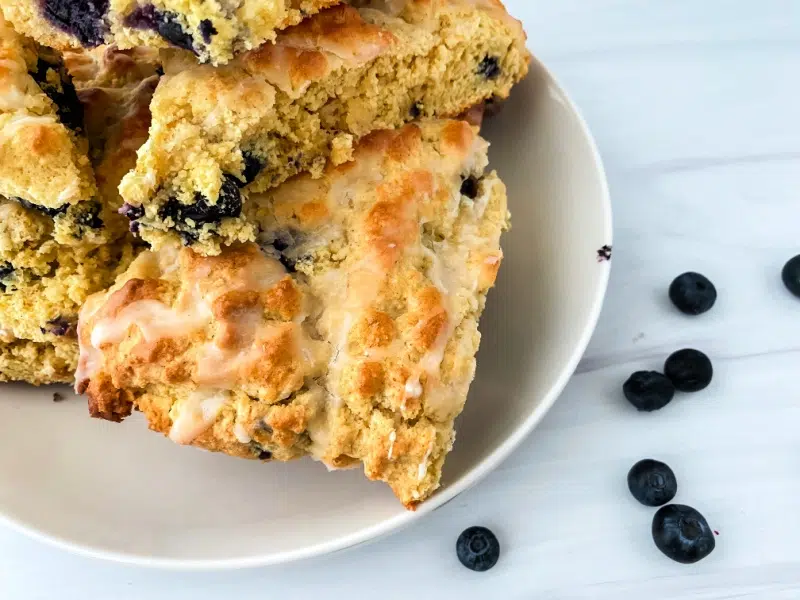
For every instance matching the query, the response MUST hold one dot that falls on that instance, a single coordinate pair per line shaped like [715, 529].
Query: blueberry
[61, 91]
[6, 271]
[132, 211]
[478, 549]
[187, 237]
[229, 204]
[689, 370]
[265, 455]
[59, 326]
[253, 165]
[166, 23]
[652, 482]
[682, 533]
[791, 275]
[469, 187]
[89, 215]
[416, 110]
[207, 30]
[85, 19]
[489, 68]
[692, 293]
[648, 390]
[50, 212]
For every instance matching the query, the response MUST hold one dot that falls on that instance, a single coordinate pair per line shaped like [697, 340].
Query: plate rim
[402, 520]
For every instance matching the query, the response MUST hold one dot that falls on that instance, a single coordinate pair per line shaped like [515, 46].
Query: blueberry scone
[221, 134]
[51, 260]
[348, 333]
[212, 29]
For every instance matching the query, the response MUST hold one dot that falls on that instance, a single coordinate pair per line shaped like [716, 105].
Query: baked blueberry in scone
[212, 29]
[347, 333]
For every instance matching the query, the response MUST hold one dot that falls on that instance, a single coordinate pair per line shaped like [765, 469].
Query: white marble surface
[694, 106]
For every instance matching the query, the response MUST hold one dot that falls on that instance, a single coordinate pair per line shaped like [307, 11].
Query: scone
[348, 333]
[220, 134]
[51, 260]
[43, 160]
[212, 29]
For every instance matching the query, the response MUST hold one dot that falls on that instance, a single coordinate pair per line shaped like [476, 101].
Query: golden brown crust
[363, 350]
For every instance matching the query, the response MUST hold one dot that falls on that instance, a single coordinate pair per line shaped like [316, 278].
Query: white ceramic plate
[122, 493]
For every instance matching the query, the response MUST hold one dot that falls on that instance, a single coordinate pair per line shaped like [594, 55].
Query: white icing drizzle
[423, 466]
[241, 434]
[392, 438]
[196, 414]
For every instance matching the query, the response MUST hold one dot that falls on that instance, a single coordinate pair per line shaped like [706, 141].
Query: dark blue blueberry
[6, 272]
[489, 68]
[416, 110]
[59, 326]
[652, 482]
[265, 455]
[692, 293]
[648, 390]
[85, 19]
[207, 29]
[253, 165]
[682, 534]
[791, 275]
[89, 215]
[689, 370]
[60, 90]
[469, 187]
[478, 549]
[131, 211]
[166, 23]
[229, 204]
[50, 212]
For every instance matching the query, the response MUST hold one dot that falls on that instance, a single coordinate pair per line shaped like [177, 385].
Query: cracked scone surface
[222, 134]
[348, 333]
[212, 29]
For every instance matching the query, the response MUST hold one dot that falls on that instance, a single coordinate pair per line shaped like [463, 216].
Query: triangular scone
[220, 134]
[212, 29]
[348, 333]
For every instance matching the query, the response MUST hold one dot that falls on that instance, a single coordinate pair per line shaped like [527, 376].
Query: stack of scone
[267, 225]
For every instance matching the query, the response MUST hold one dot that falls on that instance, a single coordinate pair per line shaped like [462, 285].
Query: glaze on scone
[348, 333]
[43, 158]
[212, 29]
[291, 106]
[52, 260]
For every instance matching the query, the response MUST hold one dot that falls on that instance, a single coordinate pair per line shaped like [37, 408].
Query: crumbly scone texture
[52, 260]
[221, 134]
[349, 331]
[214, 30]
[39, 363]
[43, 158]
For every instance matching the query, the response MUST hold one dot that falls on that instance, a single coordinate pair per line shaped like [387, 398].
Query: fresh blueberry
[253, 165]
[131, 211]
[50, 212]
[469, 187]
[207, 30]
[478, 549]
[648, 390]
[166, 23]
[489, 68]
[791, 275]
[689, 370]
[692, 293]
[59, 326]
[682, 533]
[652, 482]
[85, 19]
